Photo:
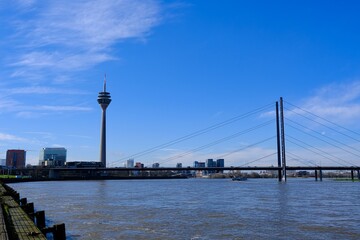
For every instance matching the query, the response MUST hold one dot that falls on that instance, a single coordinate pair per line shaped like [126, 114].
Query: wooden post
[29, 209]
[23, 201]
[40, 219]
[59, 232]
[16, 196]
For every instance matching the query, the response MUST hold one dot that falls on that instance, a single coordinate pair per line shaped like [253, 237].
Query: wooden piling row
[18, 219]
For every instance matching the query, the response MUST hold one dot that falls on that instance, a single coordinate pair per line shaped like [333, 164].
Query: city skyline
[174, 68]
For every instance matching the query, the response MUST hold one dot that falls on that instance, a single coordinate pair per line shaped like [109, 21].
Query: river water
[199, 208]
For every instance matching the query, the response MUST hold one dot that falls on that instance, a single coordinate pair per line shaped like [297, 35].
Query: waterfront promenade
[18, 221]
[15, 222]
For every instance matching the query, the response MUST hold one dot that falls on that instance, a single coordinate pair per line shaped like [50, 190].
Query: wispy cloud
[26, 3]
[26, 111]
[338, 102]
[11, 138]
[42, 90]
[8, 105]
[40, 111]
[62, 108]
[79, 34]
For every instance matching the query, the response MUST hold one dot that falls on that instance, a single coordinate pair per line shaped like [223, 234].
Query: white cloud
[62, 108]
[338, 102]
[29, 112]
[9, 137]
[42, 90]
[26, 3]
[8, 104]
[80, 34]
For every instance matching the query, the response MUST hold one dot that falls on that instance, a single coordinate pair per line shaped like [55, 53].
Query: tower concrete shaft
[104, 100]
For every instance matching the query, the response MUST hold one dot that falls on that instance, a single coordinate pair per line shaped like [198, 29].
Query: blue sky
[173, 67]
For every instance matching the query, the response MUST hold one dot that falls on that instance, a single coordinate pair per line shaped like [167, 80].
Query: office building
[15, 158]
[210, 163]
[130, 163]
[52, 157]
[156, 165]
[199, 164]
[220, 163]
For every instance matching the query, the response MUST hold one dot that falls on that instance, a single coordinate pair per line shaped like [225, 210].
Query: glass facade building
[52, 157]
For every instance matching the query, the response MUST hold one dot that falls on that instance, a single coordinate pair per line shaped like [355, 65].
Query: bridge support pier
[320, 175]
[358, 173]
[352, 175]
[316, 175]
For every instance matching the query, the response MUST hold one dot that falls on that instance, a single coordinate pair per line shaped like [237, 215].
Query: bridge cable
[217, 141]
[196, 133]
[246, 147]
[306, 162]
[319, 150]
[326, 142]
[317, 153]
[341, 143]
[333, 129]
[258, 159]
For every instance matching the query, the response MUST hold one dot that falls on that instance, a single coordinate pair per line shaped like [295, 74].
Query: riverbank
[17, 219]
[15, 223]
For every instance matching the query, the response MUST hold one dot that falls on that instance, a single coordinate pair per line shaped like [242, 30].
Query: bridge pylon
[281, 138]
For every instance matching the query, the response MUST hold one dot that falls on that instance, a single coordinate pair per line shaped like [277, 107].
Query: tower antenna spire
[105, 82]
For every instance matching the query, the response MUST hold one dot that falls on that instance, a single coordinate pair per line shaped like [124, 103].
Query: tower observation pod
[104, 100]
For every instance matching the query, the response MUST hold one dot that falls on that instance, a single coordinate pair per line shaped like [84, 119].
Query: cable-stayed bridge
[287, 138]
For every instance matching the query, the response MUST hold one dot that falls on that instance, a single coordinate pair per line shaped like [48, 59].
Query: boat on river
[239, 178]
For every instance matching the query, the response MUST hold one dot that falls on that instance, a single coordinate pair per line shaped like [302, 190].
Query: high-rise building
[104, 100]
[179, 165]
[210, 163]
[130, 163]
[220, 163]
[199, 164]
[156, 165]
[15, 158]
[52, 157]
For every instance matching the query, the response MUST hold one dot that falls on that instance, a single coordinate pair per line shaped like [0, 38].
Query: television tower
[104, 100]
